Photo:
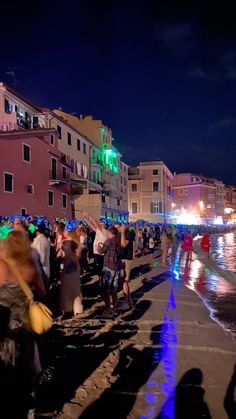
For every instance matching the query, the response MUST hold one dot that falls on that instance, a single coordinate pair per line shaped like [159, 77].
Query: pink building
[199, 195]
[34, 175]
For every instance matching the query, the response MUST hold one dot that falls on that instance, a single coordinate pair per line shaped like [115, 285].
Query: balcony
[27, 121]
[78, 186]
[136, 177]
[111, 169]
[96, 162]
[111, 190]
[93, 186]
[58, 177]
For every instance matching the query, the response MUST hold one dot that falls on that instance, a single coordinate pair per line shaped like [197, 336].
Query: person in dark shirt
[127, 238]
[110, 273]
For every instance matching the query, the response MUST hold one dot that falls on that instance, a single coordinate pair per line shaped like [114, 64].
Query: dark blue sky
[161, 73]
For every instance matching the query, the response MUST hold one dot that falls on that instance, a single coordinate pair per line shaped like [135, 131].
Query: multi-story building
[198, 195]
[75, 147]
[107, 170]
[150, 191]
[18, 112]
[230, 202]
[98, 177]
[33, 178]
[230, 197]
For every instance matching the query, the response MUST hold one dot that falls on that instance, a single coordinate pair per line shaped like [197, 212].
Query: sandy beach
[167, 352]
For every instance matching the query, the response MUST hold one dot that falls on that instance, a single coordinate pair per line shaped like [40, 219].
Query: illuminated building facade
[230, 203]
[201, 196]
[150, 192]
[75, 147]
[33, 179]
[106, 170]
[17, 112]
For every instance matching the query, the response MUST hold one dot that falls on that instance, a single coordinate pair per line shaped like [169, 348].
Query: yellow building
[75, 150]
[106, 169]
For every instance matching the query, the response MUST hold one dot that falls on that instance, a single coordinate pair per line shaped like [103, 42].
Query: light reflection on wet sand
[217, 292]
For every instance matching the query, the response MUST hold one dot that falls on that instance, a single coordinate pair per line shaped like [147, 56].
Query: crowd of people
[60, 254]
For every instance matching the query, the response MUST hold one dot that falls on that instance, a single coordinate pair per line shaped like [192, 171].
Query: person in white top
[101, 236]
[42, 245]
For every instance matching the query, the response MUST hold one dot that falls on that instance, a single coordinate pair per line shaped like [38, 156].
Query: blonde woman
[18, 349]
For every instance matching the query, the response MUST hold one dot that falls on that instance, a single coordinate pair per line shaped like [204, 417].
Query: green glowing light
[32, 228]
[4, 231]
[102, 133]
[110, 158]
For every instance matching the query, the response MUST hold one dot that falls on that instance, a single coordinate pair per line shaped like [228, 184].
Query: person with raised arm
[100, 237]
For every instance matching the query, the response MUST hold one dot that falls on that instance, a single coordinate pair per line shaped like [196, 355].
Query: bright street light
[201, 205]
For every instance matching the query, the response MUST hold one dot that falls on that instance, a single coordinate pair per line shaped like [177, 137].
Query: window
[72, 166]
[26, 153]
[63, 172]
[23, 211]
[155, 186]
[78, 144]
[134, 187]
[76, 167]
[7, 106]
[52, 139]
[30, 189]
[134, 207]
[85, 171]
[54, 169]
[35, 122]
[50, 199]
[186, 192]
[63, 157]
[181, 192]
[8, 182]
[69, 138]
[64, 200]
[84, 148]
[154, 207]
[155, 172]
[59, 131]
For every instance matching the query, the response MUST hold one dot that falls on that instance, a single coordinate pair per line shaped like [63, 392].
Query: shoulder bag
[40, 317]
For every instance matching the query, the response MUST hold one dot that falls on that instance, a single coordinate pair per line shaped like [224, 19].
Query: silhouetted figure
[189, 397]
[230, 402]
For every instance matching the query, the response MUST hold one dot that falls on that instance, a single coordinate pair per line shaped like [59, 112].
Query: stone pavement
[130, 367]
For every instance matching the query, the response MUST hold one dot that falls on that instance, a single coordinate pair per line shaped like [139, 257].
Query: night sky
[161, 73]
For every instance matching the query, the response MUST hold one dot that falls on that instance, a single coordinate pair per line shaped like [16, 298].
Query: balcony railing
[96, 161]
[57, 177]
[27, 123]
